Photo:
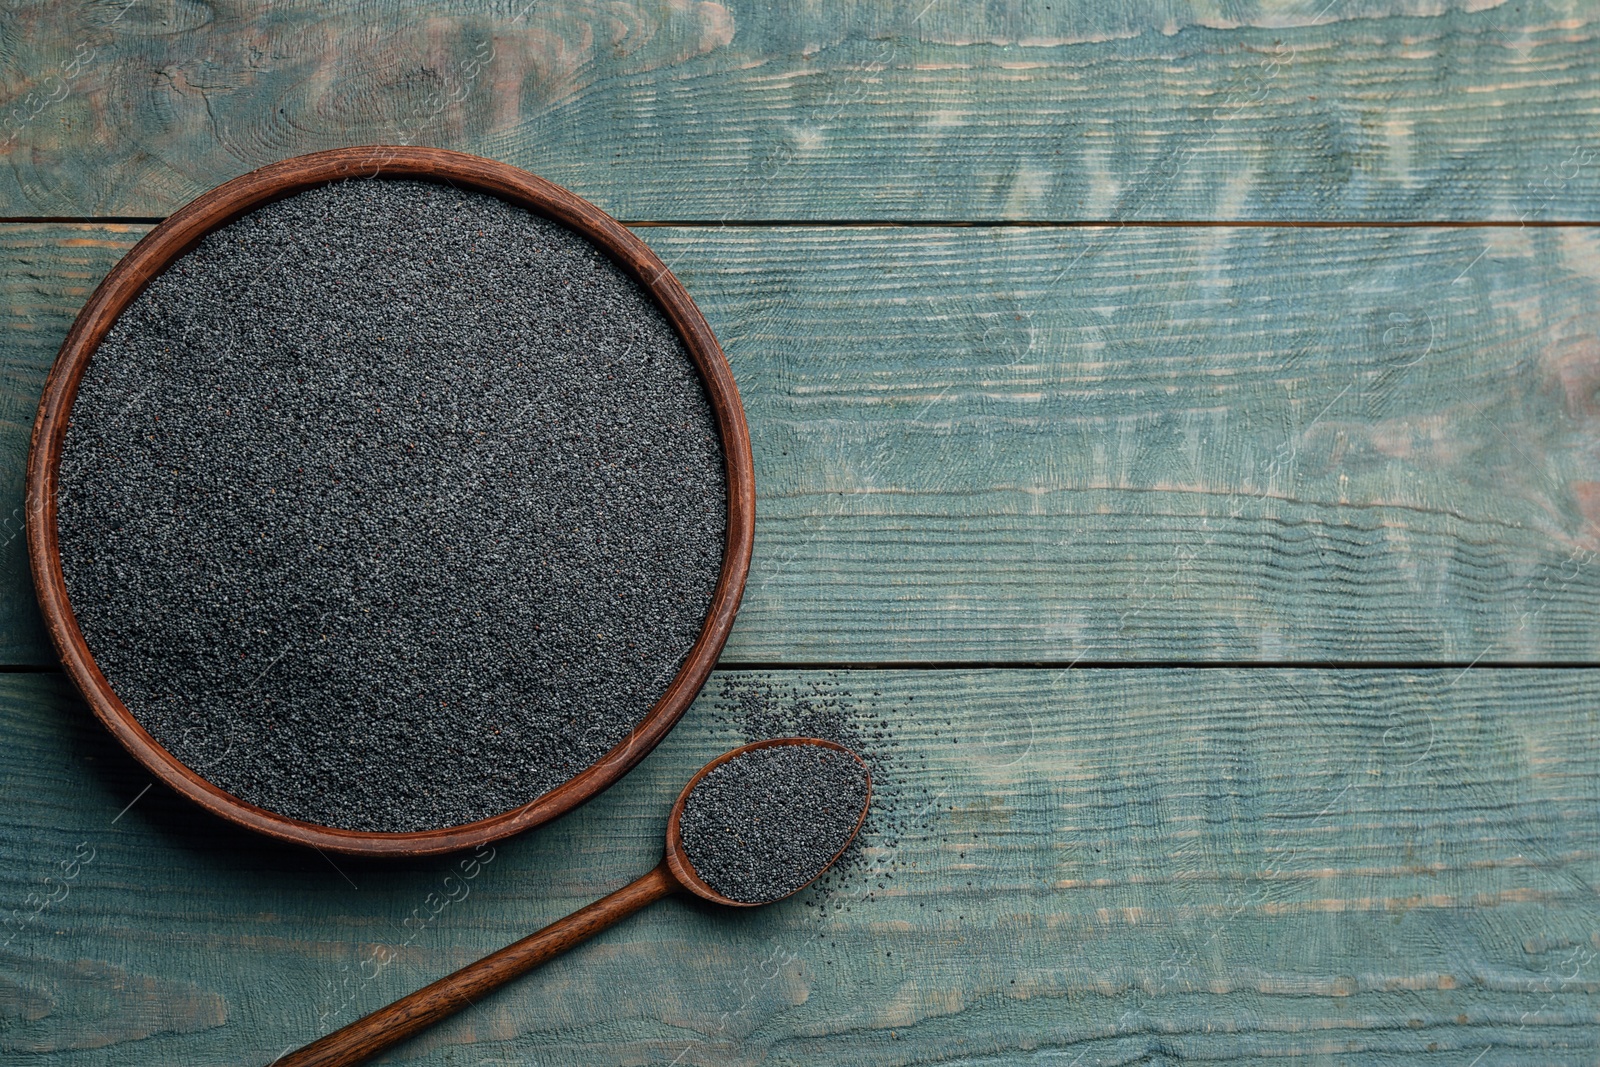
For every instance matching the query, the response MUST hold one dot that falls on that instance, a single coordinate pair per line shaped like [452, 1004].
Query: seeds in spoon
[765, 823]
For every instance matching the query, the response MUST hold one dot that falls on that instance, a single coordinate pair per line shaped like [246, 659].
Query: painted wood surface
[914, 109]
[974, 446]
[1109, 444]
[1091, 867]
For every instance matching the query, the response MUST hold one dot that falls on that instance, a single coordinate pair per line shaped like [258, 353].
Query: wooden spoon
[388, 1026]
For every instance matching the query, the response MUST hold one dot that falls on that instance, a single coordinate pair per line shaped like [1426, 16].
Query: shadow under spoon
[763, 821]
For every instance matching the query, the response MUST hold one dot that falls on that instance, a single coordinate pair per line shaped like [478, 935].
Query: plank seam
[975, 224]
[1143, 665]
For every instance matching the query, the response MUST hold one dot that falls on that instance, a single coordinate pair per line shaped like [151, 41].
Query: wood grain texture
[1112, 866]
[1116, 443]
[670, 109]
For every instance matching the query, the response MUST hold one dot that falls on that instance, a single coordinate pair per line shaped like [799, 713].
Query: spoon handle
[373, 1033]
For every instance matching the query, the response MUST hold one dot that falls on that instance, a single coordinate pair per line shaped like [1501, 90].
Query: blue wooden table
[1177, 429]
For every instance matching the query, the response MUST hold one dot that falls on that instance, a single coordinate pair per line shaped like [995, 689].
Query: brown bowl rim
[172, 238]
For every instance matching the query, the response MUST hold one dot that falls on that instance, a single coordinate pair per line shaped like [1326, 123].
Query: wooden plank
[1251, 867]
[1111, 444]
[1155, 444]
[1370, 110]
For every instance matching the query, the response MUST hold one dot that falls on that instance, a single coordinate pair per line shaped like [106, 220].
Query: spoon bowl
[675, 873]
[682, 867]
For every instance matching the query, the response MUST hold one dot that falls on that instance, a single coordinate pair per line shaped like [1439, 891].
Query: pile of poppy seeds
[848, 709]
[768, 821]
[391, 506]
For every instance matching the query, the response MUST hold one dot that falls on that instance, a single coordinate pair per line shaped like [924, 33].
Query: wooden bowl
[222, 205]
